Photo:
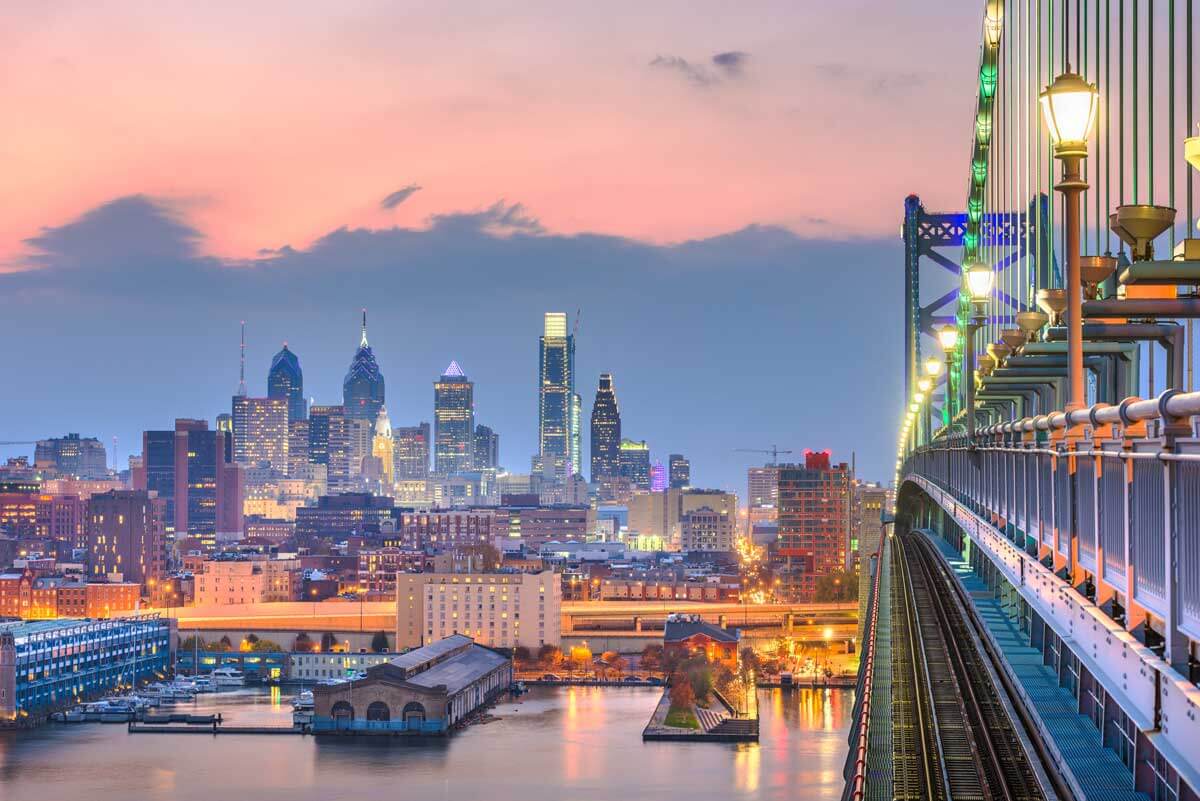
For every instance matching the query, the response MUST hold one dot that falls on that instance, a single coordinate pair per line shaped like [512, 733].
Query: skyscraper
[680, 470]
[363, 388]
[557, 412]
[260, 432]
[125, 535]
[453, 421]
[411, 444]
[658, 477]
[635, 464]
[487, 448]
[286, 380]
[188, 469]
[318, 432]
[606, 436]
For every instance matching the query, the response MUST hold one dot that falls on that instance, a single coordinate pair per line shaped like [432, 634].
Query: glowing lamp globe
[933, 366]
[924, 384]
[1069, 107]
[993, 23]
[979, 278]
[948, 337]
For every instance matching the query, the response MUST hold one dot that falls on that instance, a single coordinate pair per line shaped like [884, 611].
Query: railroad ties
[953, 737]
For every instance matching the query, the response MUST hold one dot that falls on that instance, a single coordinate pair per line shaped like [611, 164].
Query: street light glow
[979, 278]
[1069, 108]
[948, 337]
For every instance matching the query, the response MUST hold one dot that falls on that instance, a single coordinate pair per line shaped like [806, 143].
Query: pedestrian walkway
[1098, 771]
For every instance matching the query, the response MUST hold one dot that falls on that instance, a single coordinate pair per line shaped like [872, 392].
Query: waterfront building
[59, 596]
[316, 667]
[487, 448]
[48, 665]
[425, 691]
[338, 516]
[126, 537]
[684, 635]
[453, 422]
[260, 432]
[679, 470]
[189, 468]
[363, 388]
[557, 406]
[814, 523]
[411, 447]
[383, 448]
[285, 380]
[606, 437]
[72, 456]
[634, 464]
[503, 610]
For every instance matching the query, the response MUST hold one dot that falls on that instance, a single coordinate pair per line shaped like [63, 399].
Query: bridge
[1033, 617]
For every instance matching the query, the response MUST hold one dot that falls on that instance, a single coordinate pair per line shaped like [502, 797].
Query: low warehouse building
[425, 691]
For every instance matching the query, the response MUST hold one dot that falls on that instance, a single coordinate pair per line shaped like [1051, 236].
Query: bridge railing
[1107, 496]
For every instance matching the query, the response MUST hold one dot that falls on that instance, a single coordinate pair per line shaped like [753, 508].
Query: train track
[953, 738]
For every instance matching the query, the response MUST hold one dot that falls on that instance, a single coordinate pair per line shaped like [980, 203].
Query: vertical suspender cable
[1190, 211]
[1150, 100]
[1121, 102]
[1101, 141]
[1135, 119]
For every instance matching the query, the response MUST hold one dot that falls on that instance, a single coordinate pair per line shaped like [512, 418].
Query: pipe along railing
[1096, 494]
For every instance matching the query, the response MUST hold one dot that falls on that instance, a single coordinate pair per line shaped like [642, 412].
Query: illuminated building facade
[18, 508]
[487, 448]
[557, 406]
[72, 456]
[363, 387]
[126, 536]
[501, 610]
[285, 380]
[260, 432]
[658, 477]
[634, 462]
[606, 437]
[453, 422]
[762, 495]
[383, 448]
[679, 470]
[411, 444]
[814, 523]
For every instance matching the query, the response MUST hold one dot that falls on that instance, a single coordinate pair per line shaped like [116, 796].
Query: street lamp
[979, 279]
[1069, 110]
[947, 337]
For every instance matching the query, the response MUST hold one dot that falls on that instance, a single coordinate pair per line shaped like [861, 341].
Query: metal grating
[1147, 533]
[1111, 525]
[1085, 510]
[1187, 524]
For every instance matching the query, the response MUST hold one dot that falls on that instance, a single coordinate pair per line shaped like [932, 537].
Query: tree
[328, 641]
[840, 587]
[652, 657]
[682, 695]
[613, 661]
[522, 655]
[379, 642]
[550, 656]
[192, 643]
[263, 646]
[302, 642]
[701, 680]
[226, 644]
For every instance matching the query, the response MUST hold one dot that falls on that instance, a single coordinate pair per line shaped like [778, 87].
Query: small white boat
[199, 684]
[303, 702]
[228, 677]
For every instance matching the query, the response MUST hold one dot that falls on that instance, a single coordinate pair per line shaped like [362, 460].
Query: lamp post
[948, 337]
[979, 278]
[1069, 111]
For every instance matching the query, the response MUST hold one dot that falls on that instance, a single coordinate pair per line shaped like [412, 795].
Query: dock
[213, 729]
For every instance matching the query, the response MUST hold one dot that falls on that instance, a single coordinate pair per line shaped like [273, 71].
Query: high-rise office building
[318, 431]
[125, 534]
[411, 444]
[762, 496]
[814, 523]
[634, 463]
[285, 380]
[557, 411]
[606, 436]
[453, 422]
[576, 435]
[487, 448]
[363, 387]
[298, 432]
[201, 488]
[260, 432]
[73, 456]
[679, 470]
[383, 448]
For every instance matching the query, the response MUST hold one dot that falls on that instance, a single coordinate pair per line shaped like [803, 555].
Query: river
[576, 743]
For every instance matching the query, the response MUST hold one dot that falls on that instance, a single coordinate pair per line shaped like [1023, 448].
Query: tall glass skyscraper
[453, 421]
[606, 432]
[558, 417]
[362, 389]
[286, 380]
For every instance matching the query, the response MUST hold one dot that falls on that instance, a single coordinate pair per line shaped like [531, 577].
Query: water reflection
[582, 742]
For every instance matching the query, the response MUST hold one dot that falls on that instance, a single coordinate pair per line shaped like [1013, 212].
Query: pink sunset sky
[267, 124]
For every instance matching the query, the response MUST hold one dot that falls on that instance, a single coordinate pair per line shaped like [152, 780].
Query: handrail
[858, 781]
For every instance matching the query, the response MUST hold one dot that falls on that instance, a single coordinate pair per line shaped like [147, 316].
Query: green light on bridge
[975, 209]
[979, 171]
[970, 240]
[988, 75]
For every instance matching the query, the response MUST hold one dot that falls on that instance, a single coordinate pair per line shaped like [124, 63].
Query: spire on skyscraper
[241, 393]
[363, 387]
[454, 371]
[363, 342]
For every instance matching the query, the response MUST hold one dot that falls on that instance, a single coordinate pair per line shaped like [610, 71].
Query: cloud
[123, 302]
[696, 74]
[399, 196]
[732, 61]
[869, 82]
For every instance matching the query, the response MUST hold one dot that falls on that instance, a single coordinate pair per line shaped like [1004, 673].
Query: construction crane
[14, 442]
[774, 451]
